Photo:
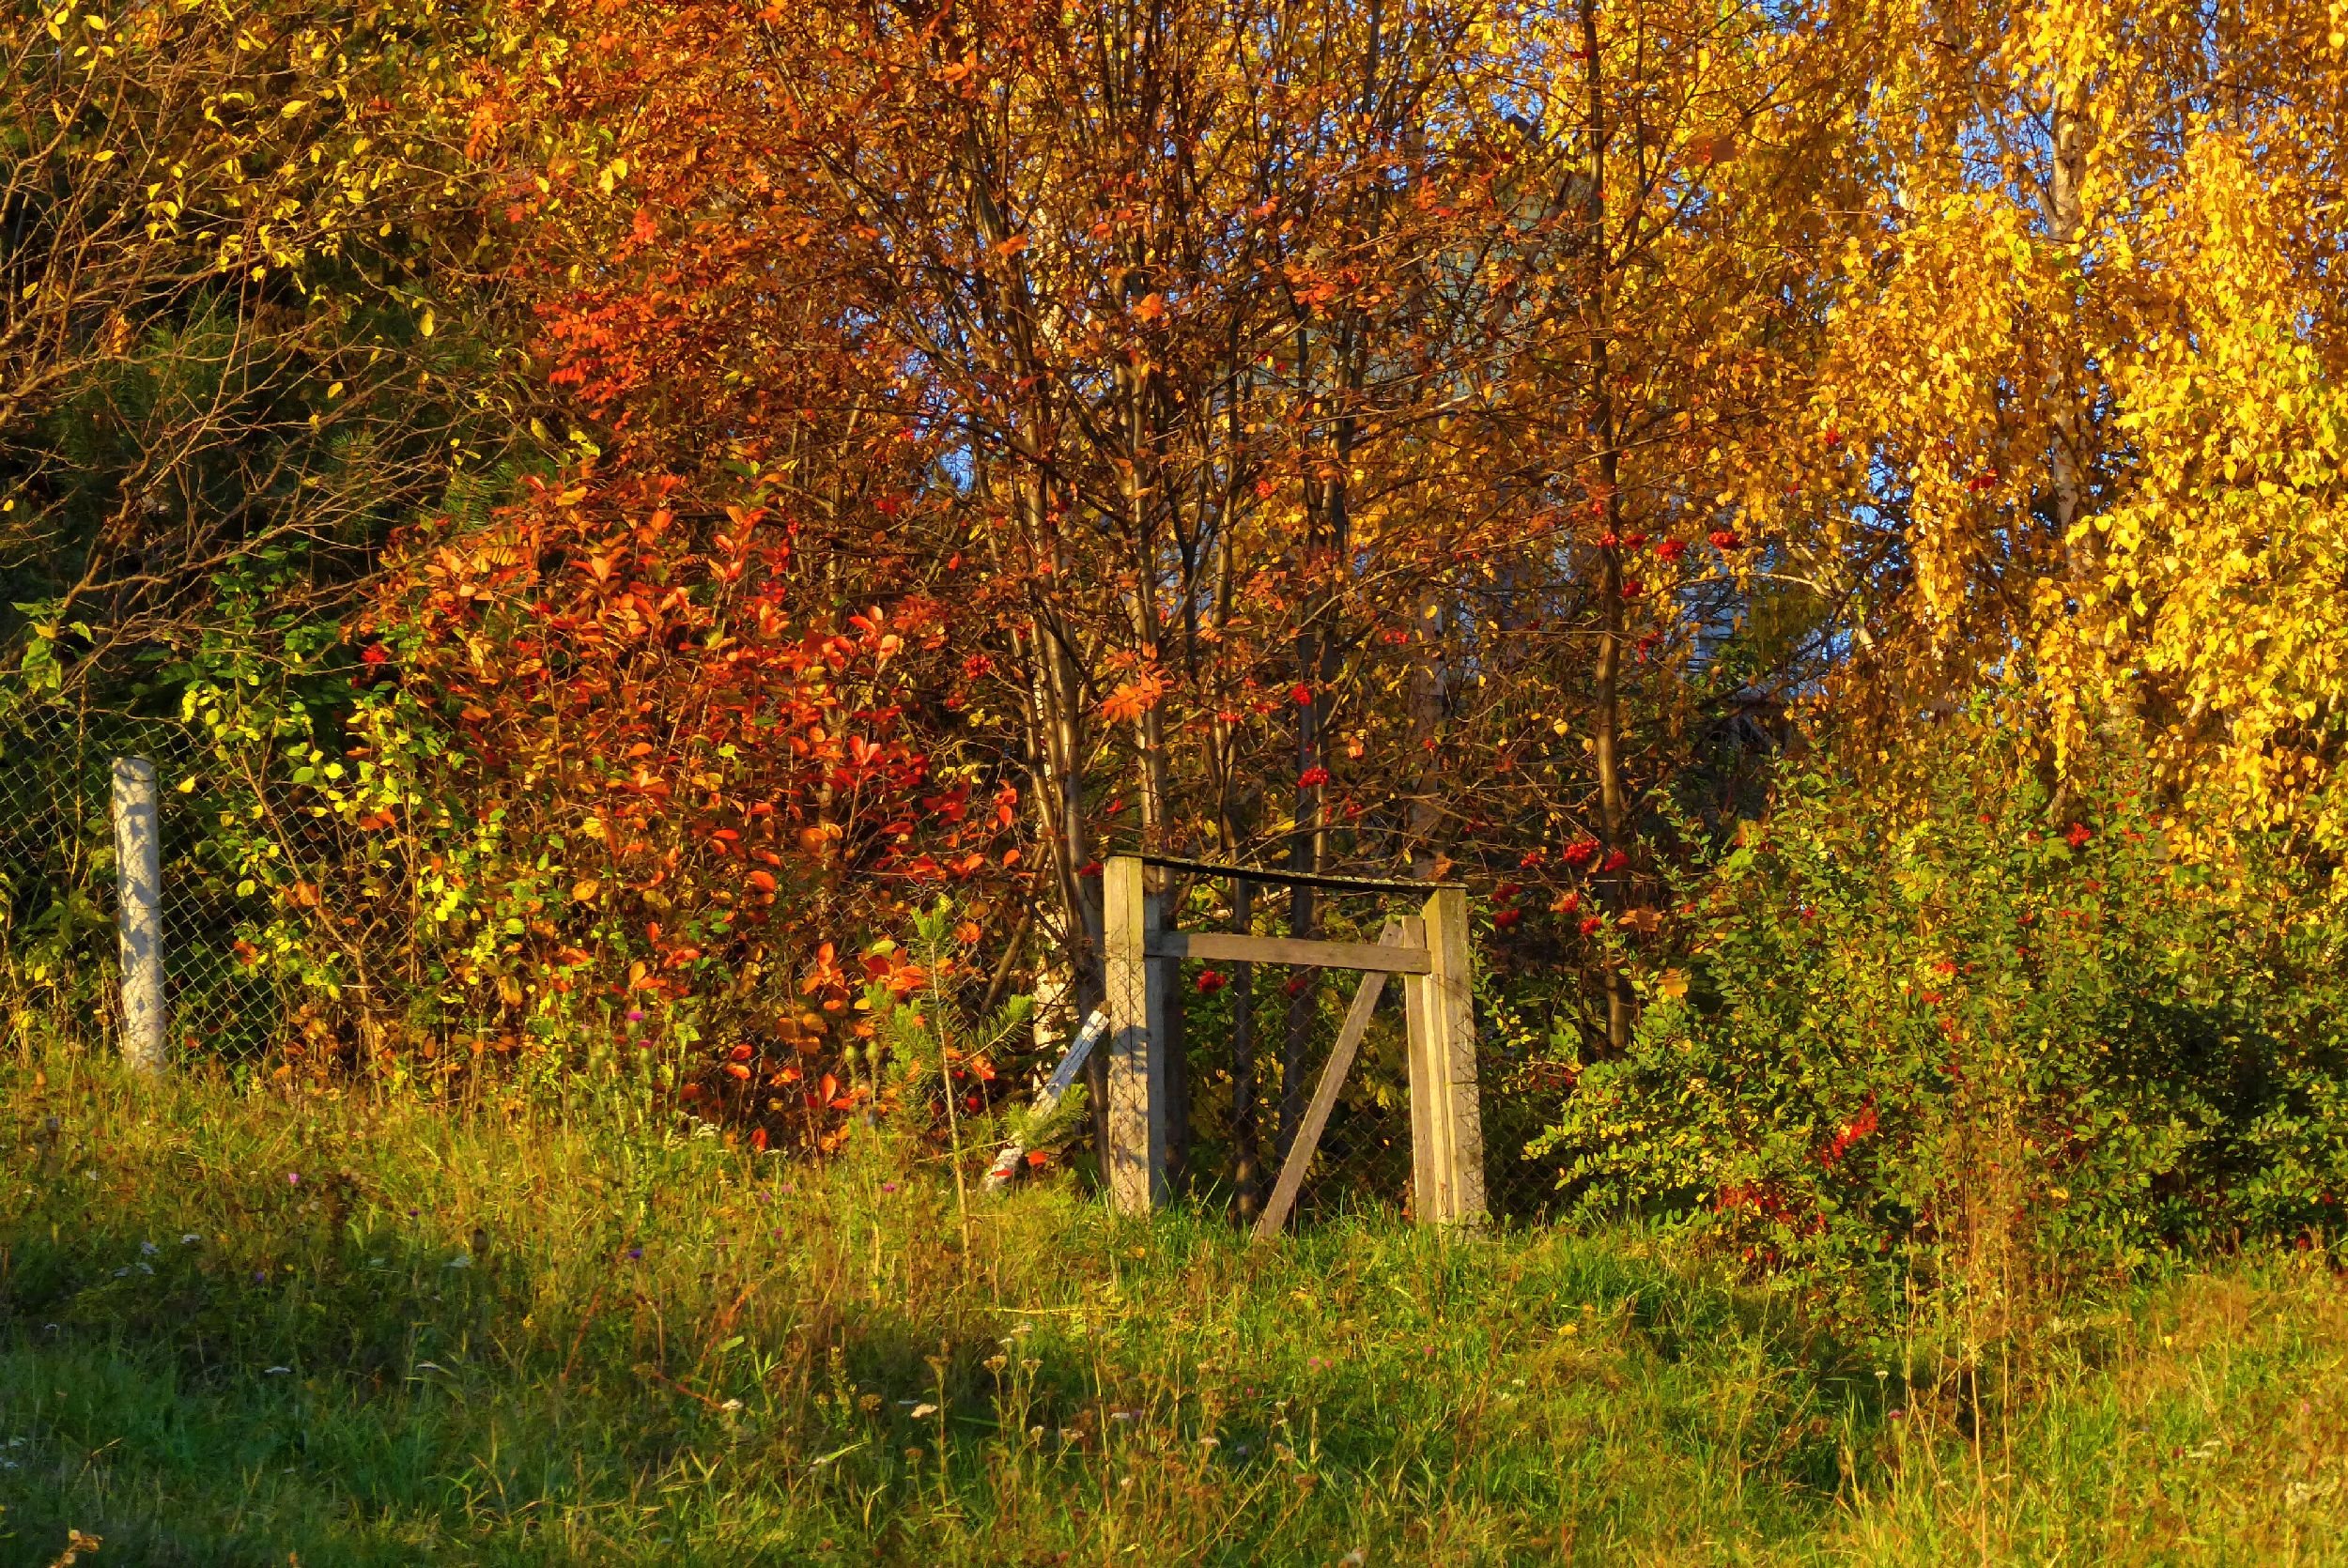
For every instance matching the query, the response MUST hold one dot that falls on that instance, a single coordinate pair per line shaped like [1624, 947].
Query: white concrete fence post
[139, 912]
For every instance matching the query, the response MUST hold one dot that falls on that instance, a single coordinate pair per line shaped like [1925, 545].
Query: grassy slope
[316, 1373]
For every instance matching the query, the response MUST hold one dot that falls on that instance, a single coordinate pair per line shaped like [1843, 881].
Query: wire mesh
[1245, 1117]
[1521, 1088]
[59, 965]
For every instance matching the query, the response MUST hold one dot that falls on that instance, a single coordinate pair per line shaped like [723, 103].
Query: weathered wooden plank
[1341, 1054]
[1447, 1120]
[1236, 948]
[1136, 1162]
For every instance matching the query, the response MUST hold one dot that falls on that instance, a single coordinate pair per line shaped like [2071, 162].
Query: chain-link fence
[1253, 1041]
[59, 964]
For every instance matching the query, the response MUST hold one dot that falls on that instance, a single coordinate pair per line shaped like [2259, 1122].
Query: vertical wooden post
[139, 912]
[1425, 1182]
[1133, 1164]
[1447, 1120]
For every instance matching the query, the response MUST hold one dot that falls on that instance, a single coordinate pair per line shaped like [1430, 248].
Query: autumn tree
[2072, 441]
[230, 241]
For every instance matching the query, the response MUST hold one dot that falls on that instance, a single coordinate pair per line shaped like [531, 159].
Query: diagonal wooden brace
[1349, 1043]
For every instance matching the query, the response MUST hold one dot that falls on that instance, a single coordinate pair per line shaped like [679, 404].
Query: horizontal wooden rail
[1232, 947]
[1295, 879]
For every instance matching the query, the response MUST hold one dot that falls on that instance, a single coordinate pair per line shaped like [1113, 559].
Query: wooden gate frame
[1429, 950]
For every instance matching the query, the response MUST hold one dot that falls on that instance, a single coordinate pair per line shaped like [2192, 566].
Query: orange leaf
[1134, 699]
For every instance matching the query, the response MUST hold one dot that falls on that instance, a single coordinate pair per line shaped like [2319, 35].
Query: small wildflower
[149, 1248]
[293, 1179]
[923, 1412]
[636, 1015]
[636, 1252]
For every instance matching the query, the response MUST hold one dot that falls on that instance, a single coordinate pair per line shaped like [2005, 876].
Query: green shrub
[1997, 1043]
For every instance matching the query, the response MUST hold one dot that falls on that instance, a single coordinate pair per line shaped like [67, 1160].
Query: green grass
[316, 1374]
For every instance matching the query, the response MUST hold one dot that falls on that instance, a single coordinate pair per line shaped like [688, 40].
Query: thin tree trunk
[1423, 820]
[1246, 1159]
[1303, 844]
[2066, 217]
[1613, 808]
